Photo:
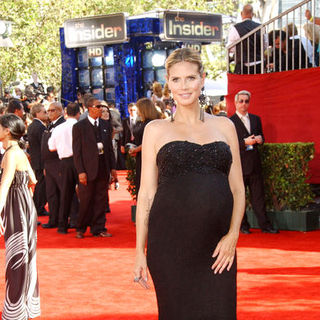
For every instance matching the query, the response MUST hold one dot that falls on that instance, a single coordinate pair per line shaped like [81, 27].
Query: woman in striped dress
[18, 224]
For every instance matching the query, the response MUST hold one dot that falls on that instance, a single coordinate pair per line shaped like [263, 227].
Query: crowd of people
[281, 50]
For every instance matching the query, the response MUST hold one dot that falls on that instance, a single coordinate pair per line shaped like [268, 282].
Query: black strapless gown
[22, 299]
[190, 214]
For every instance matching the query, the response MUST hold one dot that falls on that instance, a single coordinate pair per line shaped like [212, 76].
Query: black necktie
[96, 130]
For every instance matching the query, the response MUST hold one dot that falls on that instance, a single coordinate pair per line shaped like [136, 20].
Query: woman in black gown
[18, 223]
[190, 204]
[146, 112]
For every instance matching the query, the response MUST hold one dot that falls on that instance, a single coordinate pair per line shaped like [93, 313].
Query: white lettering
[86, 35]
[207, 30]
[99, 32]
[179, 28]
[190, 29]
[108, 32]
[186, 30]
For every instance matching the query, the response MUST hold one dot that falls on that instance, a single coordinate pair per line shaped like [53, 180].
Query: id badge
[100, 148]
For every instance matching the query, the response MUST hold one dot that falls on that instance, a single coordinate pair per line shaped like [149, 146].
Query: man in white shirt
[51, 164]
[61, 141]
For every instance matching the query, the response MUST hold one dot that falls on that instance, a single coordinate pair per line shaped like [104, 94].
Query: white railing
[268, 48]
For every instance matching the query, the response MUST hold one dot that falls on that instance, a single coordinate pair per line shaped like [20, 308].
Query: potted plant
[287, 194]
[131, 174]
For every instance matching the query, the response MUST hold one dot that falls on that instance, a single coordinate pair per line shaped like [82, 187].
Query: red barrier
[288, 104]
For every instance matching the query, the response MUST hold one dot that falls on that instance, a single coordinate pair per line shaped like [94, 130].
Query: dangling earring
[202, 114]
[202, 101]
[171, 104]
[171, 117]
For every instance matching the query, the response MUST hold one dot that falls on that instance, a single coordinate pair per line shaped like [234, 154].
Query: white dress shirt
[245, 119]
[61, 139]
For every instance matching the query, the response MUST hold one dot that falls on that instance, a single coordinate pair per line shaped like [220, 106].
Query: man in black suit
[250, 135]
[128, 124]
[94, 161]
[52, 165]
[34, 133]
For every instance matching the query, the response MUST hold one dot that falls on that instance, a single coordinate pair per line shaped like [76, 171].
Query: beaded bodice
[178, 158]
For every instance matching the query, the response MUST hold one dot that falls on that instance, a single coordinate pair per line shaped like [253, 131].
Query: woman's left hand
[225, 252]
[132, 152]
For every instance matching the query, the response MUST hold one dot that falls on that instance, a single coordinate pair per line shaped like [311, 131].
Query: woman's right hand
[2, 229]
[141, 271]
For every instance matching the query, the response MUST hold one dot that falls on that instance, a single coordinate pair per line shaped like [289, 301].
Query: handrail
[268, 22]
[252, 54]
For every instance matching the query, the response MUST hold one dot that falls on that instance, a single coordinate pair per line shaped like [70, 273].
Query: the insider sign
[97, 30]
[192, 26]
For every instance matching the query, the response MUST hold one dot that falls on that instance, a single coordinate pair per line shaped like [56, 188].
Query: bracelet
[311, 19]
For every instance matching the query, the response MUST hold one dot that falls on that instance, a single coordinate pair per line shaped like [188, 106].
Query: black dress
[22, 299]
[190, 214]
[138, 131]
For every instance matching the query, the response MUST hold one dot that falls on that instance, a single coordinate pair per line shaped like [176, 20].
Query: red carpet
[91, 278]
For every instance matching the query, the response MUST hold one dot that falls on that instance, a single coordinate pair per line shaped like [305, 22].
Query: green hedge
[285, 171]
[131, 173]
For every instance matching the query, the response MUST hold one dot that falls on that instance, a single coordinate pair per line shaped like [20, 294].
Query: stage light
[158, 60]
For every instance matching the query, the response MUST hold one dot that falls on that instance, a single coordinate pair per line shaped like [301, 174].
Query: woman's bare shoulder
[158, 125]
[19, 157]
[220, 120]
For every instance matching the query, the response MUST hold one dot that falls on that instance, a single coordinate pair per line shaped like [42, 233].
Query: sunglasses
[98, 106]
[244, 101]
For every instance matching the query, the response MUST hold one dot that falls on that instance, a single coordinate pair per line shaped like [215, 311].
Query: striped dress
[22, 300]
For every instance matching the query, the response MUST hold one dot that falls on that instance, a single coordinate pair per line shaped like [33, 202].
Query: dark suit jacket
[250, 160]
[46, 154]
[126, 133]
[85, 151]
[34, 133]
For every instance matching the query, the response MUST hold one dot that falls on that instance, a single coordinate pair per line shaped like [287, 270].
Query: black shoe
[72, 226]
[38, 223]
[79, 235]
[245, 230]
[269, 230]
[103, 234]
[62, 231]
[48, 226]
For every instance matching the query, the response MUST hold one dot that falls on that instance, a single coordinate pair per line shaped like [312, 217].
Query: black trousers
[256, 190]
[93, 198]
[69, 180]
[53, 189]
[39, 195]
